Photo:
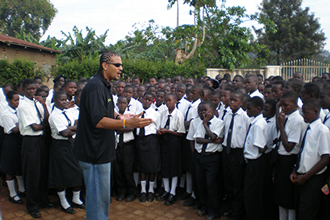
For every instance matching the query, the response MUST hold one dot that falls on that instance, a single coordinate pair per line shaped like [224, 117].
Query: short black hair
[171, 94]
[40, 90]
[122, 97]
[217, 93]
[209, 103]
[279, 82]
[293, 96]
[272, 103]
[37, 77]
[58, 94]
[67, 82]
[277, 78]
[239, 93]
[106, 57]
[256, 102]
[312, 104]
[268, 86]
[160, 90]
[128, 86]
[296, 84]
[28, 82]
[148, 93]
[10, 95]
[208, 88]
[240, 78]
[312, 88]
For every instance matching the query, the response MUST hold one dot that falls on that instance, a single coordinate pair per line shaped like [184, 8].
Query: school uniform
[75, 110]
[256, 93]
[284, 190]
[49, 97]
[233, 159]
[182, 105]
[226, 111]
[255, 168]
[160, 109]
[220, 108]
[3, 106]
[147, 144]
[35, 155]
[12, 144]
[314, 144]
[124, 163]
[134, 106]
[171, 144]
[207, 167]
[64, 169]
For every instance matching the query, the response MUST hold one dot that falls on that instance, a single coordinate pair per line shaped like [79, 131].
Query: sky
[120, 16]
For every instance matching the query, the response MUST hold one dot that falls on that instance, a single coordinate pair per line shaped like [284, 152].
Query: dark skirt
[171, 155]
[186, 155]
[284, 189]
[11, 160]
[2, 136]
[64, 169]
[148, 154]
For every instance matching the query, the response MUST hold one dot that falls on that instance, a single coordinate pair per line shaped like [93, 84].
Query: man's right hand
[136, 122]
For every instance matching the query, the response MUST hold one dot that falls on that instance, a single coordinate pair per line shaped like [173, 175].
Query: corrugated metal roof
[15, 41]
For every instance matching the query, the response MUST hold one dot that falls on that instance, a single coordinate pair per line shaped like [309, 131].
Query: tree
[298, 33]
[30, 15]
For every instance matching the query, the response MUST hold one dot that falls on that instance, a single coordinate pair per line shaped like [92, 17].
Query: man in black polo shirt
[95, 141]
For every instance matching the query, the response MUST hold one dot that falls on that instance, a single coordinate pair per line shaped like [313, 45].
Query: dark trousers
[35, 159]
[233, 172]
[309, 198]
[207, 170]
[123, 169]
[253, 188]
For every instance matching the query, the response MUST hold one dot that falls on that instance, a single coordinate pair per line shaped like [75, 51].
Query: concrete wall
[265, 71]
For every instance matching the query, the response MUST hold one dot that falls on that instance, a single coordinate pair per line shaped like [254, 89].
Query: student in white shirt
[225, 97]
[312, 162]
[251, 85]
[124, 163]
[11, 150]
[171, 131]
[33, 114]
[207, 162]
[134, 106]
[159, 104]
[148, 149]
[67, 173]
[216, 99]
[182, 103]
[254, 146]
[75, 110]
[236, 124]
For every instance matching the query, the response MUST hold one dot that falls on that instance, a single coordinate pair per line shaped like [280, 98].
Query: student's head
[147, 99]
[168, 79]
[162, 80]
[251, 83]
[57, 86]
[254, 106]
[42, 93]
[260, 78]
[81, 85]
[269, 109]
[60, 99]
[180, 90]
[70, 87]
[141, 88]
[215, 97]
[45, 88]
[225, 95]
[122, 104]
[209, 82]
[197, 92]
[38, 81]
[293, 85]
[277, 89]
[128, 92]
[207, 93]
[152, 81]
[160, 97]
[135, 80]
[30, 88]
[12, 99]
[266, 82]
[60, 78]
[311, 110]
[288, 102]
[325, 76]
[199, 110]
[170, 101]
[238, 82]
[309, 90]
[120, 85]
[277, 78]
[161, 85]
[298, 76]
[261, 88]
[325, 98]
[227, 77]
[77, 96]
[167, 89]
[190, 80]
[177, 79]
[151, 89]
[268, 92]
[235, 102]
[246, 98]
[207, 108]
[20, 87]
[6, 88]
[173, 87]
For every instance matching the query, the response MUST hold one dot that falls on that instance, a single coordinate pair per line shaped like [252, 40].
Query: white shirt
[293, 129]
[193, 127]
[50, 97]
[134, 106]
[192, 110]
[220, 108]
[271, 134]
[9, 119]
[176, 121]
[3, 106]
[240, 127]
[2, 95]
[326, 120]
[317, 143]
[28, 115]
[255, 138]
[154, 126]
[216, 127]
[299, 102]
[160, 109]
[128, 136]
[21, 97]
[322, 113]
[183, 105]
[58, 122]
[258, 94]
[226, 110]
[75, 110]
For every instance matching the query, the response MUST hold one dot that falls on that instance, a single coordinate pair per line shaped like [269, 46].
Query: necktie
[224, 114]
[69, 123]
[39, 115]
[121, 140]
[187, 113]
[177, 105]
[229, 135]
[326, 118]
[142, 131]
[247, 133]
[128, 107]
[206, 137]
[167, 125]
[302, 148]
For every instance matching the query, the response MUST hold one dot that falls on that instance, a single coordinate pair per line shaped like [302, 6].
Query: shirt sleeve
[26, 117]
[96, 106]
[259, 139]
[57, 123]
[8, 123]
[294, 133]
[191, 131]
[324, 143]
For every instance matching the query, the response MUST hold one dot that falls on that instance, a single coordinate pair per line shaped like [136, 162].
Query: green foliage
[298, 33]
[31, 15]
[11, 73]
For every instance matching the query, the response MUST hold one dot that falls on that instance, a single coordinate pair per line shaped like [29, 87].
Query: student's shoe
[189, 202]
[202, 212]
[120, 197]
[184, 196]
[159, 191]
[143, 197]
[197, 205]
[35, 214]
[69, 210]
[12, 199]
[82, 206]
[49, 205]
[151, 197]
[21, 194]
[227, 213]
[163, 196]
[170, 200]
[212, 217]
[130, 198]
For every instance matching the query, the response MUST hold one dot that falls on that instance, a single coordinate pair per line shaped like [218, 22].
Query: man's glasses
[116, 64]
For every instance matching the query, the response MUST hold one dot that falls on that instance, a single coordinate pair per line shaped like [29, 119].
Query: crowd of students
[245, 148]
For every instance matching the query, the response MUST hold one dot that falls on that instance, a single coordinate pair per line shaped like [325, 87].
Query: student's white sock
[63, 201]
[166, 182]
[173, 185]
[283, 214]
[11, 188]
[20, 182]
[193, 195]
[189, 182]
[136, 176]
[76, 197]
[143, 186]
[182, 180]
[291, 214]
[151, 186]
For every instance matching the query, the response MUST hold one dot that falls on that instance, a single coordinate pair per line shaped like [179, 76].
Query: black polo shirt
[95, 145]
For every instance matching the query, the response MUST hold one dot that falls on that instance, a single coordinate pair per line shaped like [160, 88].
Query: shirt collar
[101, 77]
[315, 123]
[256, 118]
[272, 119]
[293, 114]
